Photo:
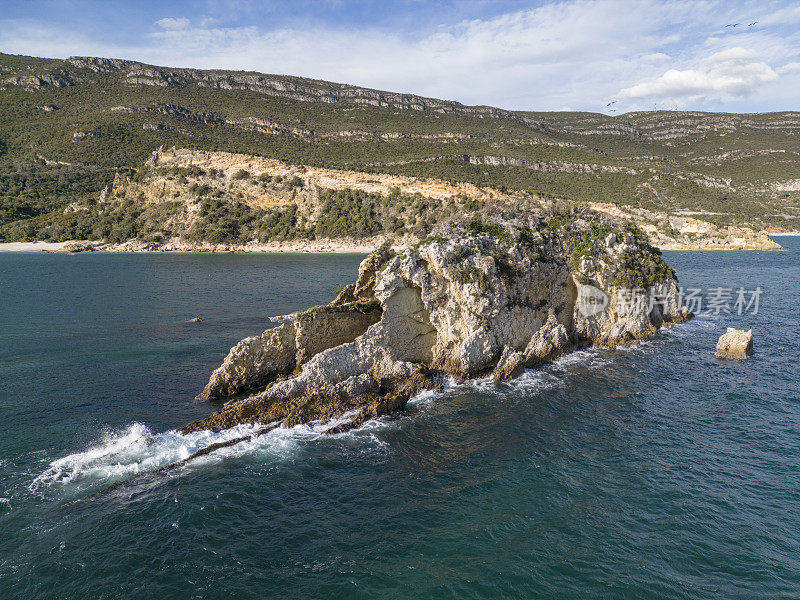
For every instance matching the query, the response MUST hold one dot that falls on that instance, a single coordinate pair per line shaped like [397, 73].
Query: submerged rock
[479, 297]
[735, 343]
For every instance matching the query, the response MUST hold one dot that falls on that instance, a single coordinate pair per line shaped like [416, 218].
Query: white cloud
[782, 16]
[792, 67]
[736, 71]
[577, 53]
[569, 53]
[655, 57]
[172, 24]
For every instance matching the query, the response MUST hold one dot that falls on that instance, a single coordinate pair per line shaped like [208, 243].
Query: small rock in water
[735, 343]
[196, 320]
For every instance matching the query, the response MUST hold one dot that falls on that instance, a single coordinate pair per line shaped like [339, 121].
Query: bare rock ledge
[479, 298]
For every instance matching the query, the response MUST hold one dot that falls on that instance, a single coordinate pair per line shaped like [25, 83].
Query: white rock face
[472, 303]
[326, 329]
[477, 352]
[735, 343]
[253, 361]
[257, 360]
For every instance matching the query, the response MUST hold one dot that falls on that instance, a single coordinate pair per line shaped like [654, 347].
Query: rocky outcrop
[735, 343]
[280, 86]
[254, 361]
[688, 230]
[510, 365]
[488, 297]
[173, 110]
[328, 326]
[181, 174]
[35, 82]
[75, 247]
[549, 342]
[260, 359]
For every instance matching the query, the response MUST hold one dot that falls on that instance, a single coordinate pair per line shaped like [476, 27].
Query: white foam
[426, 397]
[126, 453]
[119, 455]
[589, 357]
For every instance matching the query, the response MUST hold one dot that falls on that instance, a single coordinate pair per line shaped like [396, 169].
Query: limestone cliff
[479, 297]
[687, 231]
[259, 359]
[183, 187]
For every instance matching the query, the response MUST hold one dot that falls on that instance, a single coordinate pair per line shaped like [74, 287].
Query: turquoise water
[652, 472]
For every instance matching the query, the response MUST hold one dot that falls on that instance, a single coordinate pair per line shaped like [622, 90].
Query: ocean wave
[120, 455]
[588, 357]
[123, 454]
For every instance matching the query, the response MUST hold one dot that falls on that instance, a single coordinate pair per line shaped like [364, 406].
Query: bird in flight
[611, 103]
[753, 23]
[733, 25]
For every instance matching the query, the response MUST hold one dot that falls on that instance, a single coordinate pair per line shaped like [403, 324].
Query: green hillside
[68, 126]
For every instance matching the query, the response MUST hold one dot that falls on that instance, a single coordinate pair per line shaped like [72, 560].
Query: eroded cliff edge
[480, 297]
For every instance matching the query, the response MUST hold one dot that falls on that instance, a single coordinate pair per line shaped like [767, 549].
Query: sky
[609, 56]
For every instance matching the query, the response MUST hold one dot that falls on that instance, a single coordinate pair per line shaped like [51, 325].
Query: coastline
[31, 246]
[320, 247]
[327, 246]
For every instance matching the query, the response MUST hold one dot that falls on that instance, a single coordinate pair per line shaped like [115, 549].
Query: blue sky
[527, 55]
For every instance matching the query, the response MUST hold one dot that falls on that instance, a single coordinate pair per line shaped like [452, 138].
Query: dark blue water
[652, 472]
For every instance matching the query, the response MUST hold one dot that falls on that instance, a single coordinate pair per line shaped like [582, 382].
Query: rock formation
[480, 297]
[510, 365]
[260, 359]
[735, 343]
[79, 247]
[266, 185]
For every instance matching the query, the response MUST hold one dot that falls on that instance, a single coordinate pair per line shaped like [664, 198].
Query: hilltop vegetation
[68, 127]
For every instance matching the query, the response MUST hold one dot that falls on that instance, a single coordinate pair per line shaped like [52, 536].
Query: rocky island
[485, 296]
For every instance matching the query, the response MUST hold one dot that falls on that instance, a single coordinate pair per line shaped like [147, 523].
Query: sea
[652, 471]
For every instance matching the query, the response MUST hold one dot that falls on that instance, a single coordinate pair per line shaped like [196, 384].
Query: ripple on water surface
[651, 471]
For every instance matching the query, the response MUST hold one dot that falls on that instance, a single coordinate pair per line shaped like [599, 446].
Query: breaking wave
[123, 454]
[120, 455]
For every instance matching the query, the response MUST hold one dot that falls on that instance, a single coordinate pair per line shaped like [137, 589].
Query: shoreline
[292, 247]
[322, 247]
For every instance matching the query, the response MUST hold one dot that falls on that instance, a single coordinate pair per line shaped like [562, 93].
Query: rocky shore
[478, 298]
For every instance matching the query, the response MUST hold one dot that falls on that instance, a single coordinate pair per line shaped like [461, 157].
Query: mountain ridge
[68, 126]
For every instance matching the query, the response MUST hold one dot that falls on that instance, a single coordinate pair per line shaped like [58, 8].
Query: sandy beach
[343, 246]
[319, 246]
[31, 246]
